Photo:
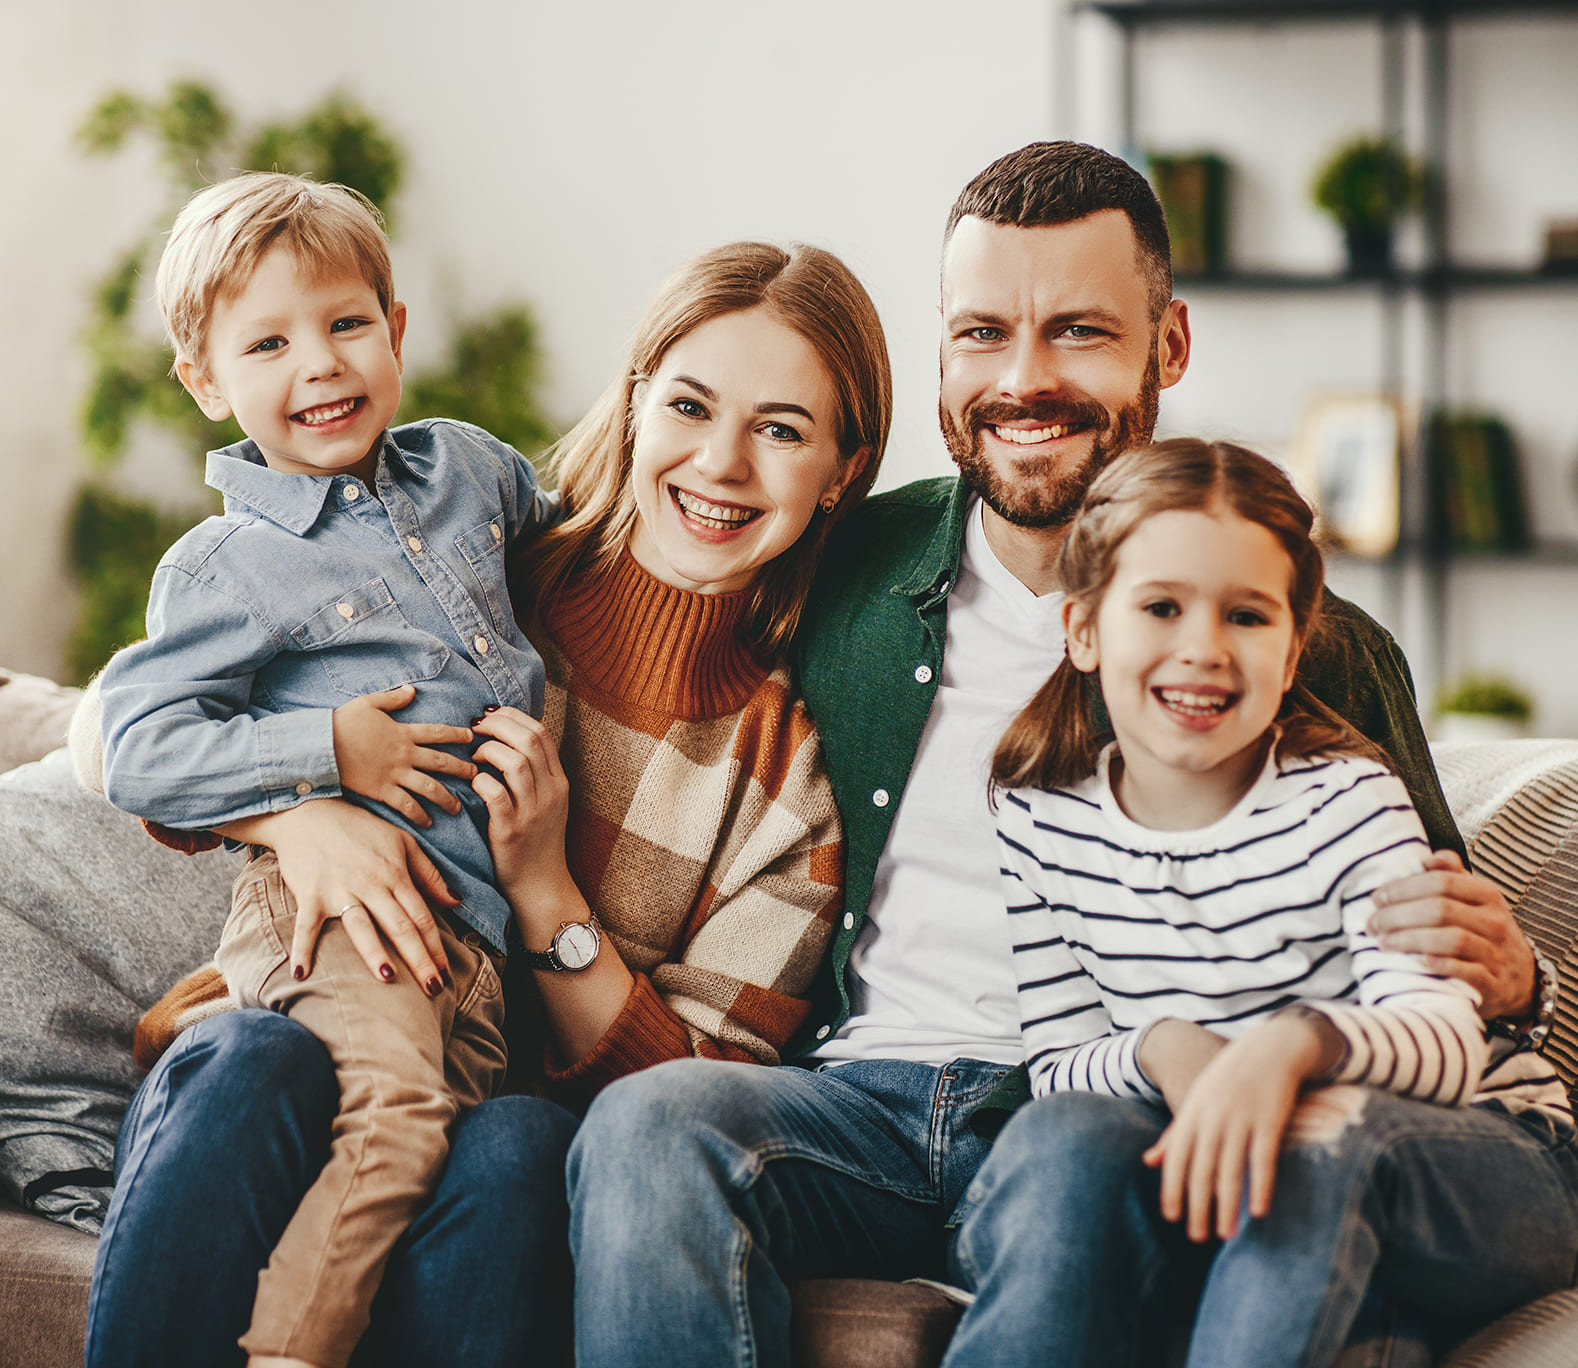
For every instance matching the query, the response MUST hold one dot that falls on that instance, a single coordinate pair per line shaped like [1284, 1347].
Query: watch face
[576, 945]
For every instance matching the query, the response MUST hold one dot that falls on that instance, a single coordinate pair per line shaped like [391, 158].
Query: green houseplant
[1482, 708]
[490, 377]
[1367, 185]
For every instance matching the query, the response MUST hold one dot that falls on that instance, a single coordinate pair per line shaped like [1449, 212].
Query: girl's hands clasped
[1231, 1122]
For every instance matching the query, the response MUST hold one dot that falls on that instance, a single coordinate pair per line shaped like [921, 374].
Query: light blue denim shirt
[307, 592]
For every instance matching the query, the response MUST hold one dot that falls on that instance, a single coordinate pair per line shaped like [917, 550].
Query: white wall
[569, 154]
[565, 154]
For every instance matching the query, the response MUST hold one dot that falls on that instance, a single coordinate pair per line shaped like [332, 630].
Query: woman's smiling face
[736, 442]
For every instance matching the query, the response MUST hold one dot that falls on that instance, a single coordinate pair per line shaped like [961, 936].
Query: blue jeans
[1457, 1214]
[699, 1189]
[219, 1144]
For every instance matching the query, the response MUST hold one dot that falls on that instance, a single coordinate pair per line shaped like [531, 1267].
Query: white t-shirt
[931, 976]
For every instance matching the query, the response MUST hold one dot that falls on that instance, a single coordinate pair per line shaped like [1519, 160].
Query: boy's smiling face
[306, 362]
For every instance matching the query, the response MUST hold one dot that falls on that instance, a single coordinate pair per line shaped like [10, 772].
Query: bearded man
[699, 1189]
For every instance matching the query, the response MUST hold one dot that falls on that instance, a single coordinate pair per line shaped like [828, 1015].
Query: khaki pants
[407, 1065]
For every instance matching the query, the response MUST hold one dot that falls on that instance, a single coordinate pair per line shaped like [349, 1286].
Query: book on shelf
[1476, 483]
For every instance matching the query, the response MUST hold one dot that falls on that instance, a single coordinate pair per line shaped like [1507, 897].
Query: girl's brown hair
[807, 289]
[1054, 743]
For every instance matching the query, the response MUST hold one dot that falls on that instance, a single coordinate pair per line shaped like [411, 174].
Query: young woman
[1188, 903]
[673, 862]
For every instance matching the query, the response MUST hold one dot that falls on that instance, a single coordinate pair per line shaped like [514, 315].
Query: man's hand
[393, 761]
[1460, 925]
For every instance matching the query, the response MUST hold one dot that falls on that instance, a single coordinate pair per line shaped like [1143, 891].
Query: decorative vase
[1464, 726]
[1369, 248]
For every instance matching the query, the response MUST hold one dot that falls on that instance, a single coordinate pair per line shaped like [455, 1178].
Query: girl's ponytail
[1053, 742]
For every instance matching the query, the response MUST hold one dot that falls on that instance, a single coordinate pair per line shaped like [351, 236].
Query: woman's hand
[1233, 1119]
[528, 805]
[393, 761]
[1459, 924]
[339, 860]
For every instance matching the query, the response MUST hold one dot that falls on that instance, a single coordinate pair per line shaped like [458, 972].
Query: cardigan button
[849, 921]
[881, 798]
[822, 1032]
[923, 674]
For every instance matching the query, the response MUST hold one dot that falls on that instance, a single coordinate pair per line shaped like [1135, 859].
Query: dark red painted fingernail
[299, 972]
[476, 721]
[434, 987]
[492, 707]
[386, 973]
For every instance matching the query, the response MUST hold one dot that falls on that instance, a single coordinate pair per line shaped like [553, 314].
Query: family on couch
[889, 1133]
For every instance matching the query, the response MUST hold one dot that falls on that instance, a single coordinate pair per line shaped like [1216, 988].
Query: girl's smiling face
[1196, 644]
[736, 443]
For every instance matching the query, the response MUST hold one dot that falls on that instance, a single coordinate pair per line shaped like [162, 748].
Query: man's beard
[1038, 493]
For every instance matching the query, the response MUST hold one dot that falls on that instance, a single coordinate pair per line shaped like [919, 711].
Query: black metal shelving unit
[1435, 284]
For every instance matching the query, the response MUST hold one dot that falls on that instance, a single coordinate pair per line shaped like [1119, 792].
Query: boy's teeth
[327, 413]
[699, 508]
[1029, 436]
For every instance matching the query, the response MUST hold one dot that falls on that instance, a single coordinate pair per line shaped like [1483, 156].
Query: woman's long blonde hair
[1053, 743]
[807, 289]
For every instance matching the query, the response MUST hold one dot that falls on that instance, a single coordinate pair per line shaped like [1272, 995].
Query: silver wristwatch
[574, 946]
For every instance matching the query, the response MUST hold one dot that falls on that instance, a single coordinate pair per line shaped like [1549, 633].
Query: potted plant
[1367, 185]
[1482, 708]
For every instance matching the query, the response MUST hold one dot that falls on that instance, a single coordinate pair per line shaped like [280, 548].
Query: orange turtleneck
[702, 827]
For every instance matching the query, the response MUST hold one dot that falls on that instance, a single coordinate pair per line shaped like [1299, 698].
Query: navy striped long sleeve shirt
[1116, 926]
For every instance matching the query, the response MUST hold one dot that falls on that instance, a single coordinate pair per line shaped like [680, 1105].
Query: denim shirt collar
[937, 567]
[294, 502]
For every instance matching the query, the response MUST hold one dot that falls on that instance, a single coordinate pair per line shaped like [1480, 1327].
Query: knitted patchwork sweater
[702, 828]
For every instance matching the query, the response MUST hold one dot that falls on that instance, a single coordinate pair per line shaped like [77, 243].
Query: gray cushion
[96, 922]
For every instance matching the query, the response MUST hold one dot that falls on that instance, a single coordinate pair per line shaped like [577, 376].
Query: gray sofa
[73, 988]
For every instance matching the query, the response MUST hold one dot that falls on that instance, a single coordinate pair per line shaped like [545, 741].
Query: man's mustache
[1043, 413]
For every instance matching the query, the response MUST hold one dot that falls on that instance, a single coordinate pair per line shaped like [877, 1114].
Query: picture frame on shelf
[1347, 460]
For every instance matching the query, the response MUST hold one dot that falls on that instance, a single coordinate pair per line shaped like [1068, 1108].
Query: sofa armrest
[34, 714]
[1516, 803]
[1543, 1334]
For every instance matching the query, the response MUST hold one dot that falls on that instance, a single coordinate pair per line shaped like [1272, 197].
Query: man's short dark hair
[1047, 183]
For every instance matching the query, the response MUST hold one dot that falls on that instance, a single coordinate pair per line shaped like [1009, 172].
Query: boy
[350, 560]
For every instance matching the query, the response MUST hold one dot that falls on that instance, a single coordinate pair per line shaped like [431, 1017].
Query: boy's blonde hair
[223, 232]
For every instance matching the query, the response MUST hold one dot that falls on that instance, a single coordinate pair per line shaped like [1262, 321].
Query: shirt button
[344, 610]
[352, 492]
[303, 789]
[822, 1032]
[481, 643]
[880, 797]
[849, 921]
[497, 535]
[923, 674]
[415, 543]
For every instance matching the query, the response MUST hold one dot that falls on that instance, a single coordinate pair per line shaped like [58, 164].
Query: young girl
[1188, 905]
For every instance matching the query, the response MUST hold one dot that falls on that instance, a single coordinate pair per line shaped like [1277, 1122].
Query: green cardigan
[868, 658]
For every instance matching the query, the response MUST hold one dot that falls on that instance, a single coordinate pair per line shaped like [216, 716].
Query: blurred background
[544, 165]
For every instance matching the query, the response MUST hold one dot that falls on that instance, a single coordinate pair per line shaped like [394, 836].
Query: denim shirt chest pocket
[365, 644]
[482, 548]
